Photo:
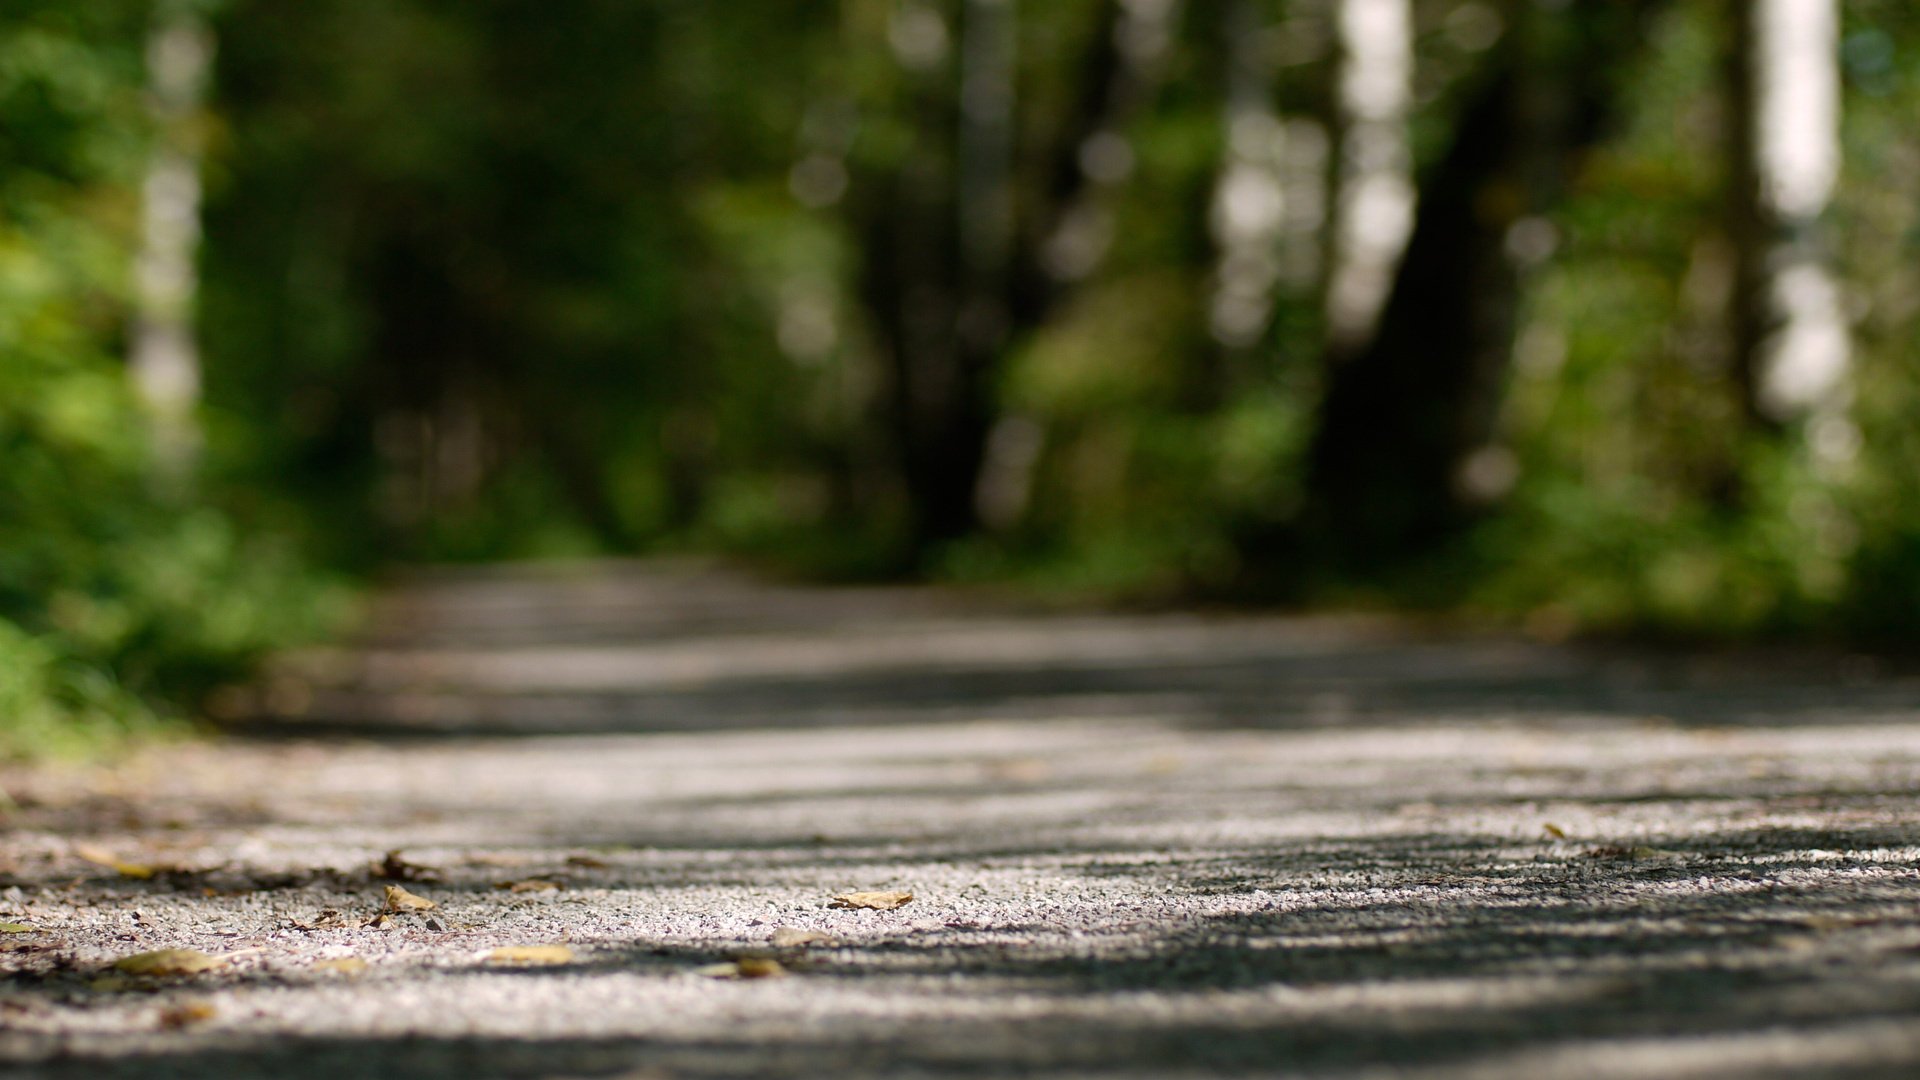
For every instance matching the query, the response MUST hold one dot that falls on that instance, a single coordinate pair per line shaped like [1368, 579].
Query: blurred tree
[958, 266]
[1790, 334]
[164, 357]
[1397, 467]
[1373, 200]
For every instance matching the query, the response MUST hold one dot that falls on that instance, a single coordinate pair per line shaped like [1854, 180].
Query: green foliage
[502, 279]
[115, 601]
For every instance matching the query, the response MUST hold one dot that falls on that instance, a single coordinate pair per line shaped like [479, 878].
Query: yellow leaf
[169, 962]
[343, 965]
[188, 1013]
[531, 955]
[100, 856]
[746, 967]
[759, 967]
[399, 899]
[873, 901]
[16, 928]
[1554, 831]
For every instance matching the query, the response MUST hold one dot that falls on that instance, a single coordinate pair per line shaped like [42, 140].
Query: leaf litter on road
[341, 965]
[100, 856]
[164, 963]
[745, 967]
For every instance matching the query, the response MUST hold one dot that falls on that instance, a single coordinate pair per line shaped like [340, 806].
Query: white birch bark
[164, 357]
[1804, 355]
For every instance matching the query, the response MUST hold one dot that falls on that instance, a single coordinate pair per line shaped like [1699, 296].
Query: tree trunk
[164, 357]
[1395, 470]
[1788, 326]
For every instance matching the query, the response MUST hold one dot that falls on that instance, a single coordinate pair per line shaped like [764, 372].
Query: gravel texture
[1138, 845]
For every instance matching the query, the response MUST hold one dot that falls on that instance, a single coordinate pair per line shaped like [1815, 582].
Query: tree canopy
[1488, 304]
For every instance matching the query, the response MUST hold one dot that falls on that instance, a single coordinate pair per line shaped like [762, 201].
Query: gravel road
[1162, 845]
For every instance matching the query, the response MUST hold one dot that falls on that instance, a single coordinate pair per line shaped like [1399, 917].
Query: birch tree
[1791, 340]
[164, 357]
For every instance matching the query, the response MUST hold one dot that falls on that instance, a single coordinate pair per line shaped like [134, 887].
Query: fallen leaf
[747, 967]
[341, 965]
[382, 921]
[529, 885]
[1554, 831]
[328, 919]
[100, 856]
[872, 901]
[399, 899]
[16, 928]
[786, 937]
[166, 962]
[110, 984]
[587, 862]
[187, 1014]
[759, 967]
[531, 955]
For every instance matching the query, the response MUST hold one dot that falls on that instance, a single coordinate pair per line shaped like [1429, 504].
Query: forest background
[1590, 316]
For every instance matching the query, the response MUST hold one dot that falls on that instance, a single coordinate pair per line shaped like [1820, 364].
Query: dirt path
[1137, 846]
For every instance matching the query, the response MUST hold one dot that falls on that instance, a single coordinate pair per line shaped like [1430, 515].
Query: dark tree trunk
[1403, 415]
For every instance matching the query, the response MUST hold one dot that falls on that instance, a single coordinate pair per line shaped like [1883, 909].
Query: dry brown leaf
[872, 901]
[341, 965]
[187, 1014]
[531, 955]
[382, 921]
[529, 885]
[399, 899]
[587, 862]
[16, 928]
[166, 962]
[100, 856]
[786, 937]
